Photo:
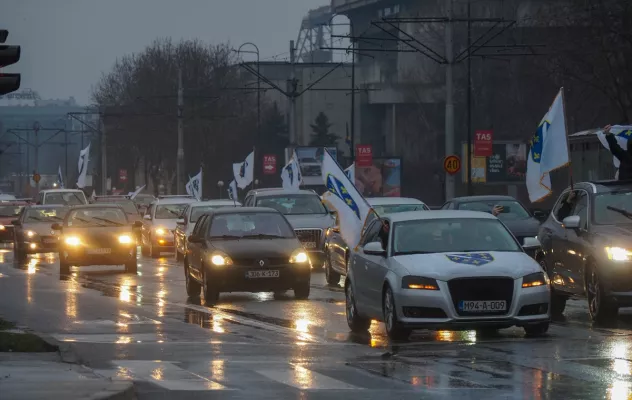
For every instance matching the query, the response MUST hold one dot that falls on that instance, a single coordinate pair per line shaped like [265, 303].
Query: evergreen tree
[321, 136]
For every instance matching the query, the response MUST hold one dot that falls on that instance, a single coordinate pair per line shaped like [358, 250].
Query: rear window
[397, 208]
[299, 204]
[65, 198]
[127, 205]
[10, 211]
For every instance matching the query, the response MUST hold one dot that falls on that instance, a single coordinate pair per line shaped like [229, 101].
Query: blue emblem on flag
[536, 142]
[471, 258]
[625, 134]
[242, 169]
[338, 189]
[290, 173]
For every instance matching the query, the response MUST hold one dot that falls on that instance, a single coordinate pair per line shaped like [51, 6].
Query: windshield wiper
[262, 236]
[620, 211]
[109, 221]
[36, 218]
[86, 221]
[225, 237]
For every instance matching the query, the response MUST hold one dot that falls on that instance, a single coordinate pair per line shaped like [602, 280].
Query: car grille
[480, 289]
[254, 262]
[310, 238]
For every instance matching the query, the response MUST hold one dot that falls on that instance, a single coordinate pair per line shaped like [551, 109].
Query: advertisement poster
[382, 179]
[507, 163]
[310, 159]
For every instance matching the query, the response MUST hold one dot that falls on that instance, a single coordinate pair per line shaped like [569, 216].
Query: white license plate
[98, 251]
[309, 245]
[262, 274]
[50, 240]
[483, 306]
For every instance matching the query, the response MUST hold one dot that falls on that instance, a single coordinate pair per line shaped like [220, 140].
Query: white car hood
[446, 266]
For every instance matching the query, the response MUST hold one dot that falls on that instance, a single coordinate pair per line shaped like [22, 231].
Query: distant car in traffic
[452, 270]
[33, 232]
[159, 224]
[587, 248]
[310, 166]
[514, 215]
[96, 234]
[9, 211]
[336, 249]
[142, 201]
[245, 249]
[189, 217]
[64, 197]
[305, 212]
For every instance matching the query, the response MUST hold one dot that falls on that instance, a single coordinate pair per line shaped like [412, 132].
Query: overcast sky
[67, 44]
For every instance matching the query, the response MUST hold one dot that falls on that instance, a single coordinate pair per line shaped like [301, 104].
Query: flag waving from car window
[194, 187]
[244, 171]
[291, 174]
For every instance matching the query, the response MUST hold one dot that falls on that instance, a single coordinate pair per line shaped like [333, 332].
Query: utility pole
[36, 128]
[104, 161]
[353, 61]
[469, 99]
[292, 91]
[449, 97]
[180, 155]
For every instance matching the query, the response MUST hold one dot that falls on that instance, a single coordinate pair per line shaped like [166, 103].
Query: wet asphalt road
[144, 328]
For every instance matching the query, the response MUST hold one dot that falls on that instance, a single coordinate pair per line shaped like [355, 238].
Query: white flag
[232, 190]
[84, 157]
[291, 174]
[93, 196]
[549, 150]
[350, 171]
[194, 187]
[133, 195]
[244, 171]
[622, 134]
[343, 197]
[60, 178]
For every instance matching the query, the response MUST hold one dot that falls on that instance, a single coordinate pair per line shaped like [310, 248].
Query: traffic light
[8, 55]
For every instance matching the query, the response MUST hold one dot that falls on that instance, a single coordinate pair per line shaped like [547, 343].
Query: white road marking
[303, 378]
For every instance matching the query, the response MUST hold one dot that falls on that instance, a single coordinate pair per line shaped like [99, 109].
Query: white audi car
[447, 270]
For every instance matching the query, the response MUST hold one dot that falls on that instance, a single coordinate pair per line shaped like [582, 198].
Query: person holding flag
[624, 157]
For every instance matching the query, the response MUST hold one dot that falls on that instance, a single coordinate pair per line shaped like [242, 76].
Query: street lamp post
[239, 50]
[220, 185]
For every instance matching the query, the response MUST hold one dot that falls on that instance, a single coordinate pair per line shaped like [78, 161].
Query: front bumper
[234, 278]
[82, 257]
[616, 280]
[435, 309]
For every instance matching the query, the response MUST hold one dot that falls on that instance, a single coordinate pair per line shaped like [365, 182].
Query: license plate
[98, 251]
[50, 240]
[483, 306]
[262, 274]
[309, 245]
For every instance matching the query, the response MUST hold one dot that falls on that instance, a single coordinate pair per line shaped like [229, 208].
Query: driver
[384, 232]
[567, 206]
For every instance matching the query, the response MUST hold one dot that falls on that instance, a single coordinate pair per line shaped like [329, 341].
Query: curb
[119, 391]
[63, 348]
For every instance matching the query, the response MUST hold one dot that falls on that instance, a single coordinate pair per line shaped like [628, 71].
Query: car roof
[603, 186]
[280, 191]
[381, 201]
[112, 199]
[439, 214]
[215, 203]
[243, 210]
[62, 191]
[175, 200]
[100, 205]
[482, 198]
[46, 206]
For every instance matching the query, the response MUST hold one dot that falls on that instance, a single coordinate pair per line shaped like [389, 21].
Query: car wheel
[536, 329]
[394, 329]
[131, 267]
[356, 323]
[152, 252]
[332, 277]
[600, 308]
[301, 290]
[64, 267]
[558, 302]
[193, 287]
[211, 294]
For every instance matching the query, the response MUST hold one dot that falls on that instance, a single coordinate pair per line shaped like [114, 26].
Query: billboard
[506, 164]
[310, 159]
[382, 179]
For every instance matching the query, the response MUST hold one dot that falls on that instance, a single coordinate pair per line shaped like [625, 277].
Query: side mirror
[335, 229]
[571, 222]
[194, 239]
[374, 249]
[147, 217]
[138, 224]
[16, 222]
[530, 243]
[56, 227]
[539, 215]
[180, 221]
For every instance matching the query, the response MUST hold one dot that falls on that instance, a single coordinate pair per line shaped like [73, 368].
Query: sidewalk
[52, 375]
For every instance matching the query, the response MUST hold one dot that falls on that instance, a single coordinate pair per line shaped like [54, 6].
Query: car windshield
[397, 208]
[250, 225]
[451, 235]
[512, 210]
[169, 211]
[91, 217]
[197, 212]
[613, 208]
[127, 205]
[10, 211]
[50, 215]
[294, 204]
[65, 198]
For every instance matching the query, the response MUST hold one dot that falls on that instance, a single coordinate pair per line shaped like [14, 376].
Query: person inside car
[567, 206]
[624, 156]
[384, 232]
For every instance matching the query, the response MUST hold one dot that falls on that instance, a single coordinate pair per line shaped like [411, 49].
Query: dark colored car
[96, 234]
[522, 223]
[587, 247]
[246, 249]
[9, 211]
[32, 230]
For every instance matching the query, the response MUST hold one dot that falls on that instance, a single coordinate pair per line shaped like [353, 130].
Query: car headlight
[299, 257]
[2, 227]
[72, 241]
[125, 239]
[161, 231]
[419, 283]
[220, 260]
[30, 234]
[534, 280]
[618, 254]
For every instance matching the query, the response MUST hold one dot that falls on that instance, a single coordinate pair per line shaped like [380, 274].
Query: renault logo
[261, 263]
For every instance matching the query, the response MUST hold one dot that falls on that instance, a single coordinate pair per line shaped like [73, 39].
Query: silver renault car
[305, 212]
[452, 270]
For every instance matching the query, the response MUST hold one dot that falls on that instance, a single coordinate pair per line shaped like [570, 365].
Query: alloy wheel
[594, 292]
[350, 305]
[388, 310]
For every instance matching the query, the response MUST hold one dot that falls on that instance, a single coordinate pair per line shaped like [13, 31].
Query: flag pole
[570, 162]
[254, 167]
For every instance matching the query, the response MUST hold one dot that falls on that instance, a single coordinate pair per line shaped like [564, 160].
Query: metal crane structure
[316, 33]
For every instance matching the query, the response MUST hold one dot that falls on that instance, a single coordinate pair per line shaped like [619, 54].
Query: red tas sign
[364, 155]
[269, 164]
[483, 141]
